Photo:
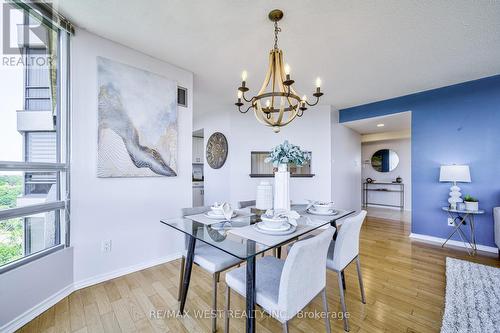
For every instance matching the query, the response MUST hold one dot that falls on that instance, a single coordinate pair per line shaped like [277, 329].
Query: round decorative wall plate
[216, 150]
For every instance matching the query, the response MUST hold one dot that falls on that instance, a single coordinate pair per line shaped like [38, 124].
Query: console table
[464, 217]
[388, 188]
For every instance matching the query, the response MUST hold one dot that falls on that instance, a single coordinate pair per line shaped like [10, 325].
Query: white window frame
[62, 167]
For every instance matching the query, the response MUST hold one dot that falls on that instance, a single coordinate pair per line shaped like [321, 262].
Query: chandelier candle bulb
[287, 69]
[318, 83]
[244, 75]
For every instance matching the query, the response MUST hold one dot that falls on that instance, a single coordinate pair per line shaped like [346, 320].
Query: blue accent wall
[458, 124]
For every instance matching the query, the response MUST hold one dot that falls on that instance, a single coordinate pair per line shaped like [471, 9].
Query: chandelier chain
[276, 31]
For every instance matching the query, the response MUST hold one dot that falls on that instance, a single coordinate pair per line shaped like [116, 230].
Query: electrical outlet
[106, 245]
[451, 222]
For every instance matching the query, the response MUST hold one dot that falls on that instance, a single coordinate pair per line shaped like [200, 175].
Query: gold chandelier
[277, 103]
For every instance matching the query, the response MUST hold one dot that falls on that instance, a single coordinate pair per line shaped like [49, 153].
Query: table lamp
[454, 173]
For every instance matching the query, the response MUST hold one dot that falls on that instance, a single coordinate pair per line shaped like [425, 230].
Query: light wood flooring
[404, 283]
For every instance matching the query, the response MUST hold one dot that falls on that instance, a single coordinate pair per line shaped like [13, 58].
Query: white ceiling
[392, 123]
[364, 50]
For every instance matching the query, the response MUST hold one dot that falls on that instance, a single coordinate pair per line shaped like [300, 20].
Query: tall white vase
[282, 188]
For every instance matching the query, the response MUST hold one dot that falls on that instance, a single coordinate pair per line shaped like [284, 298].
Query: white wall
[126, 211]
[346, 165]
[232, 182]
[33, 286]
[403, 148]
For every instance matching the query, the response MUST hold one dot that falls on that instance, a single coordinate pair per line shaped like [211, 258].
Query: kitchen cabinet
[198, 150]
[198, 195]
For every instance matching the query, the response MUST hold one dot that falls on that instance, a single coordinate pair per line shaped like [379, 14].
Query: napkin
[227, 210]
[311, 203]
[291, 215]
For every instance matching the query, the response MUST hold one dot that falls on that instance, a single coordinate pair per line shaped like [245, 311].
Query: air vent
[182, 96]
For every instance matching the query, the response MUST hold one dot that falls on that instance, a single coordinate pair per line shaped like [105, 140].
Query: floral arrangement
[287, 153]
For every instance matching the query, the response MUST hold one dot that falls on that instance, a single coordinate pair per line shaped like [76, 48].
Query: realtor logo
[20, 29]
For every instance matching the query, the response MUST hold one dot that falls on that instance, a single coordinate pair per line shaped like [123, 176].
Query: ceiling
[392, 123]
[364, 50]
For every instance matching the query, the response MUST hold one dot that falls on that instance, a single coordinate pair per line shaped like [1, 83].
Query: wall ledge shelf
[256, 175]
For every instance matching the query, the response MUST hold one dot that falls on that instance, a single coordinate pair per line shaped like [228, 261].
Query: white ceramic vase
[282, 188]
[264, 196]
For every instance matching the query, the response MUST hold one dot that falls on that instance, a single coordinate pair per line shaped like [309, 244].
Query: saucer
[212, 215]
[331, 212]
[275, 232]
[283, 227]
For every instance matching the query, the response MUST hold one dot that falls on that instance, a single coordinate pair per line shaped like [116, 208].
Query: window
[34, 136]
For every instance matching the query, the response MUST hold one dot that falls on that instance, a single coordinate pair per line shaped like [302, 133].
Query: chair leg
[342, 302]
[181, 277]
[226, 310]
[285, 327]
[215, 278]
[325, 309]
[360, 278]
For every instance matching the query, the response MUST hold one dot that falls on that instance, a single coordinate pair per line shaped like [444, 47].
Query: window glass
[30, 133]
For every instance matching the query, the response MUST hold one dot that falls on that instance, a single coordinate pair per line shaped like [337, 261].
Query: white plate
[329, 213]
[214, 216]
[290, 229]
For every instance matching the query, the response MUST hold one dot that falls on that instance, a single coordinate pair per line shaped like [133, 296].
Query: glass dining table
[240, 239]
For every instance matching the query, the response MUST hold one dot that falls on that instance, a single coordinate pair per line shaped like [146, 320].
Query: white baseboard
[437, 240]
[35, 311]
[124, 271]
[38, 309]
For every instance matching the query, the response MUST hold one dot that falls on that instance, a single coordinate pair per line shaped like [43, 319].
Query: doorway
[197, 170]
[386, 165]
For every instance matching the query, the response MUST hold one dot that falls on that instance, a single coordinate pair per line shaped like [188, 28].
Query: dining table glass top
[239, 237]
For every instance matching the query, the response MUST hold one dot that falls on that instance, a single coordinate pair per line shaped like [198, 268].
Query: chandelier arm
[289, 120]
[287, 89]
[278, 75]
[239, 109]
[262, 120]
[247, 100]
[265, 83]
[313, 104]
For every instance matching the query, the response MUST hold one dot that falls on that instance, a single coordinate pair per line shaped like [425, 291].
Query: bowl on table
[273, 222]
[323, 207]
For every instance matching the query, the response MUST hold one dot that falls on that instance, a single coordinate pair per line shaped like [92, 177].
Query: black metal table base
[251, 294]
[187, 272]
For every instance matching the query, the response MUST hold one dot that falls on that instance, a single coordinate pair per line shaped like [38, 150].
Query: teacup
[323, 207]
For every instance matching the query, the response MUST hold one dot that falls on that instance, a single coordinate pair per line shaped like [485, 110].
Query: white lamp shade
[454, 173]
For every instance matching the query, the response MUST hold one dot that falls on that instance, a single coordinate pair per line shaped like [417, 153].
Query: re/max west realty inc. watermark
[25, 39]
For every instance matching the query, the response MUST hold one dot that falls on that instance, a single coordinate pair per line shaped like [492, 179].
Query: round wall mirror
[385, 160]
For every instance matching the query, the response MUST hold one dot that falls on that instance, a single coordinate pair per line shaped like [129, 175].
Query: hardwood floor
[404, 283]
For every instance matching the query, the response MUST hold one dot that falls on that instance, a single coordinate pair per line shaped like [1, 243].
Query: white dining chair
[285, 287]
[209, 259]
[245, 204]
[342, 252]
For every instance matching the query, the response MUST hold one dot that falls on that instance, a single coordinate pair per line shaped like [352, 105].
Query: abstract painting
[137, 122]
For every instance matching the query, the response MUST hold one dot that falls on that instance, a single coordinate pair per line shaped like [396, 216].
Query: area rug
[472, 298]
